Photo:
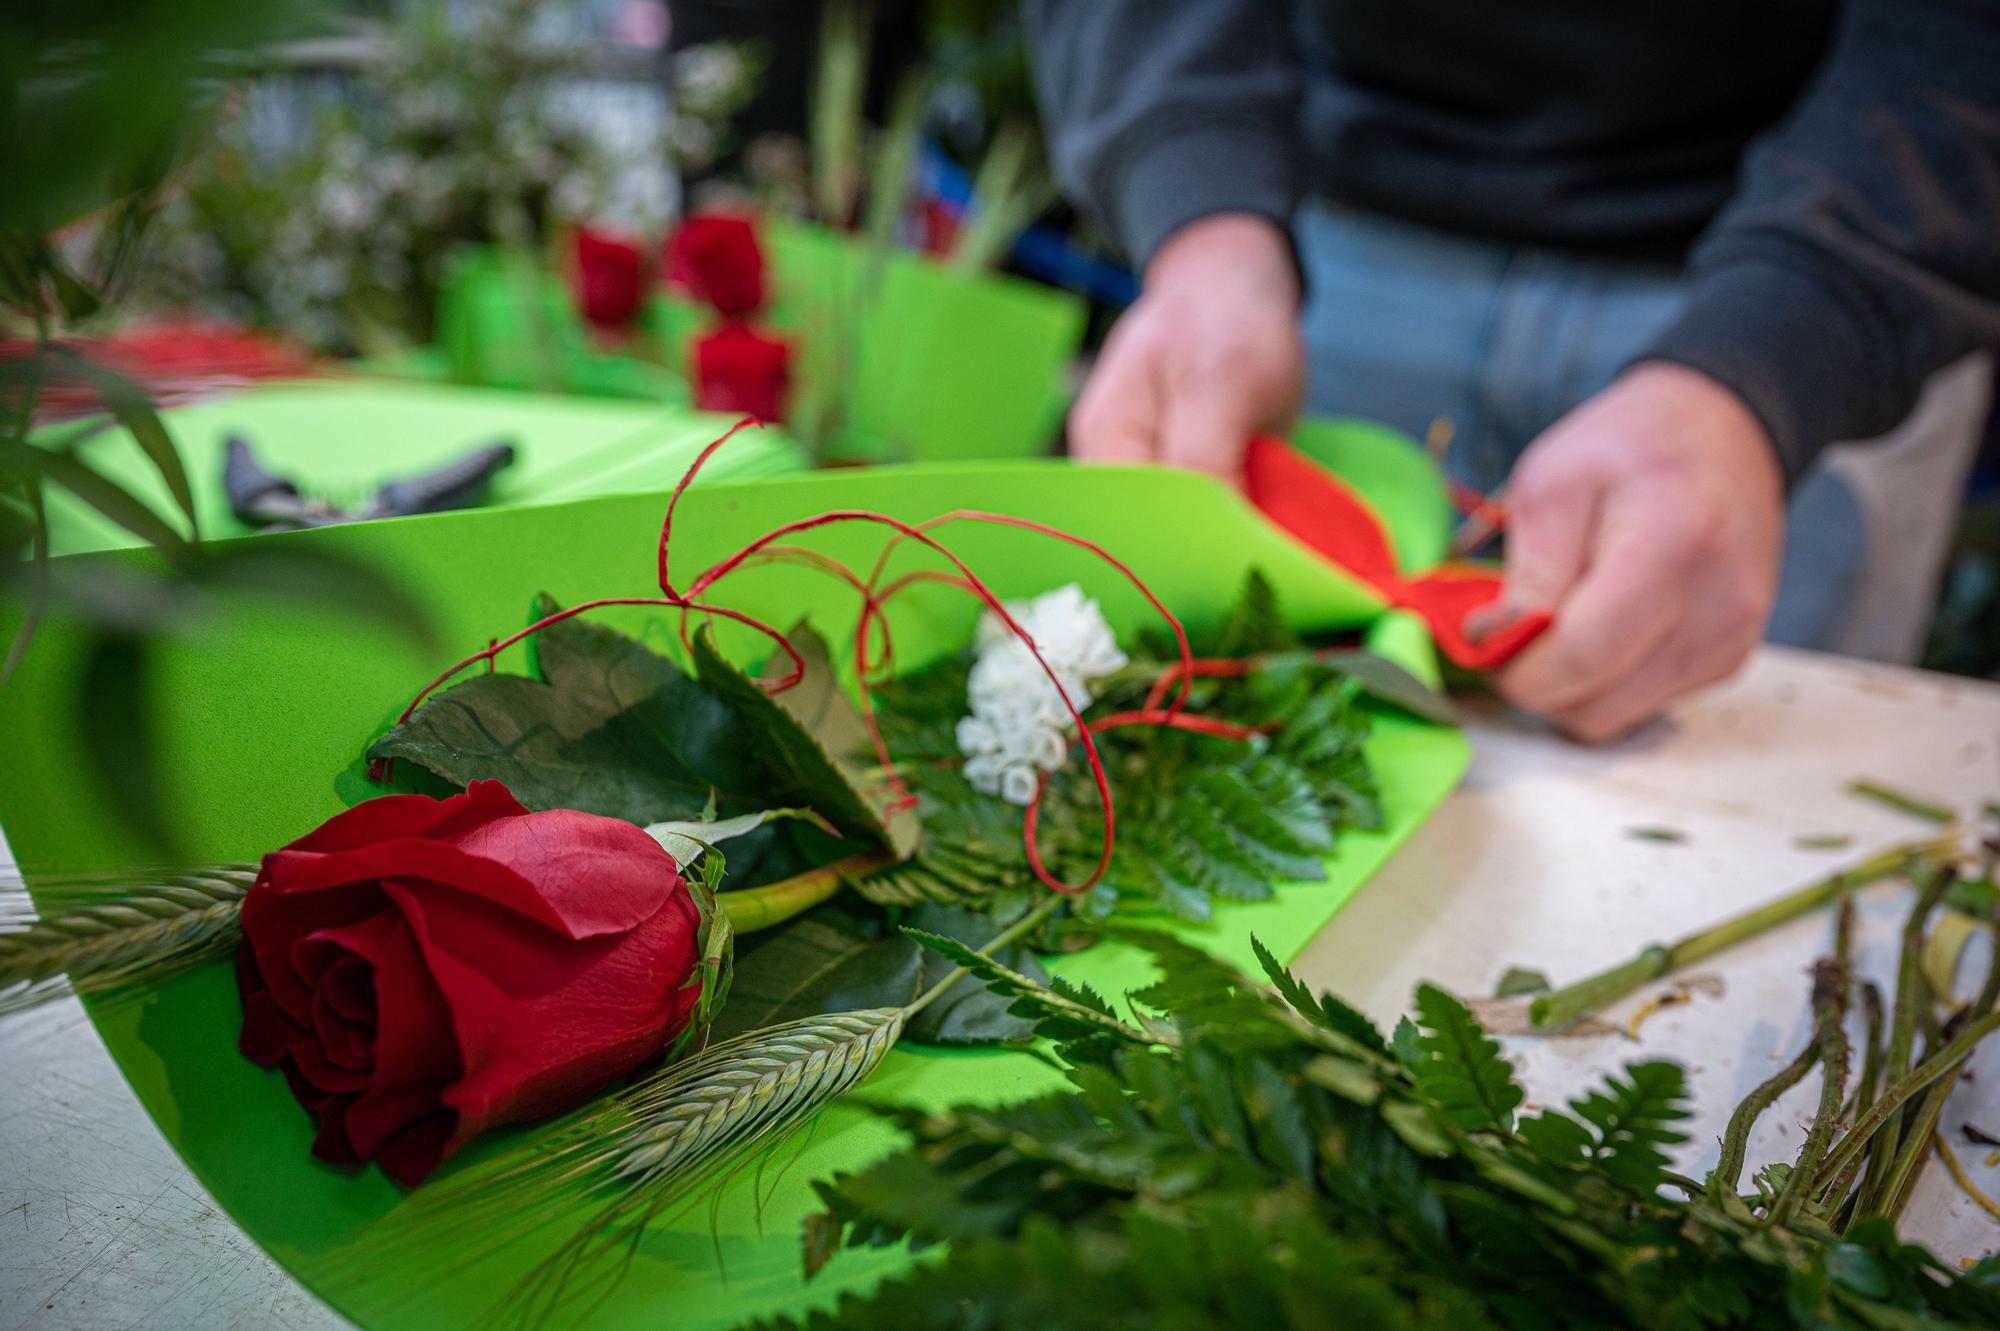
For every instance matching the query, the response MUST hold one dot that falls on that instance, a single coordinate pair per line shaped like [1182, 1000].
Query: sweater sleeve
[1861, 251]
[1160, 114]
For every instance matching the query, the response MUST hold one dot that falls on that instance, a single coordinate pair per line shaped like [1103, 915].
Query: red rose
[609, 278]
[743, 372]
[425, 970]
[716, 257]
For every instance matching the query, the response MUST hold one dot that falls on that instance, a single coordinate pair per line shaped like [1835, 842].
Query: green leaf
[971, 1013]
[794, 735]
[110, 499]
[1059, 1010]
[1255, 624]
[686, 839]
[132, 407]
[1462, 1070]
[1324, 1010]
[838, 958]
[1406, 1043]
[1632, 1118]
[1557, 1138]
[611, 728]
[1520, 981]
[830, 959]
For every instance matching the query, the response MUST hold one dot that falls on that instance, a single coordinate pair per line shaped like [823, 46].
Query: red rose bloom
[425, 970]
[716, 257]
[743, 372]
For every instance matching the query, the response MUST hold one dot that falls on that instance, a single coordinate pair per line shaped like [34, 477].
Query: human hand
[1208, 356]
[1650, 520]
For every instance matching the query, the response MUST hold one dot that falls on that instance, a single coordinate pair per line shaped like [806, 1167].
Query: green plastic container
[915, 360]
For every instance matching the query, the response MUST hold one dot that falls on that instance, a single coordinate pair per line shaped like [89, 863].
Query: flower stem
[1829, 998]
[754, 908]
[1005, 938]
[1900, 1092]
[1590, 994]
[1913, 1004]
[1728, 1174]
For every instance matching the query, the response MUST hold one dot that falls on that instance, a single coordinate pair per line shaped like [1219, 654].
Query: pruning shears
[261, 498]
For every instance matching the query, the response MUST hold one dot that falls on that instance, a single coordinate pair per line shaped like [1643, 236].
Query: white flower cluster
[1019, 727]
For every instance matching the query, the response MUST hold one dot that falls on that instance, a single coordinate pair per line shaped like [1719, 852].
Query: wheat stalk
[145, 933]
[653, 1144]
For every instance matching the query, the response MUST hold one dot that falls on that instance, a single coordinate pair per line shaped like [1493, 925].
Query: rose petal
[274, 920]
[343, 1022]
[393, 817]
[541, 1029]
[597, 875]
[411, 1155]
[299, 876]
[415, 1054]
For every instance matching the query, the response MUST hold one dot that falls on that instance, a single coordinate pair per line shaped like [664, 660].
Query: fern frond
[1326, 1010]
[1061, 1011]
[140, 934]
[1633, 1119]
[1462, 1068]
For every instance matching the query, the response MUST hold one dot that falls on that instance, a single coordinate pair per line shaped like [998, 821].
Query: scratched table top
[1550, 856]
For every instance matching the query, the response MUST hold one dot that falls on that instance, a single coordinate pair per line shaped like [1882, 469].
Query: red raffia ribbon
[1326, 515]
[873, 651]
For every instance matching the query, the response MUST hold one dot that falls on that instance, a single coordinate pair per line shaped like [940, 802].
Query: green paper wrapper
[264, 717]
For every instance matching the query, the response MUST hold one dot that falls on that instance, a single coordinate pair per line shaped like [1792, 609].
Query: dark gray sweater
[1829, 172]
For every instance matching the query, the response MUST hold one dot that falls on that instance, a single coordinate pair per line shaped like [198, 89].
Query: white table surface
[1530, 863]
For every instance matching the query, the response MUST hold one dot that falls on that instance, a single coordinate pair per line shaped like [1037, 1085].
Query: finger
[1631, 597]
[1206, 426]
[1117, 416]
[1677, 670]
[1551, 516]
[1725, 622]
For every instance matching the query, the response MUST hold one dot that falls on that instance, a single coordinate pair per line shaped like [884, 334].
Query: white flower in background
[1018, 726]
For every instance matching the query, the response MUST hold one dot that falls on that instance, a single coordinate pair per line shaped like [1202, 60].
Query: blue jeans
[1405, 325]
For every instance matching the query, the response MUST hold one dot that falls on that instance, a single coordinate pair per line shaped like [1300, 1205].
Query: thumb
[1549, 524]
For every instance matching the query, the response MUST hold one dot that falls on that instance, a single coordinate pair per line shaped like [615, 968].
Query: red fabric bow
[1317, 509]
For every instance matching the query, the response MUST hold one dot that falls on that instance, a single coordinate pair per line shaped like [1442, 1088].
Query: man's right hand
[1208, 356]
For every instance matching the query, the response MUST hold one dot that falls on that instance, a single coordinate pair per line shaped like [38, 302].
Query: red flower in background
[609, 277]
[741, 371]
[717, 258]
[427, 969]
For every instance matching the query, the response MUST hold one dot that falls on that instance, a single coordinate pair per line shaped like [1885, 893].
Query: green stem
[1005, 938]
[755, 908]
[1588, 995]
[1914, 1151]
[1864, 1094]
[1736, 1138]
[1900, 1092]
[1912, 1006]
[1901, 801]
[1830, 986]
